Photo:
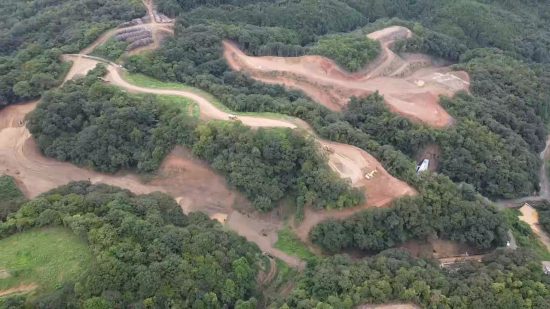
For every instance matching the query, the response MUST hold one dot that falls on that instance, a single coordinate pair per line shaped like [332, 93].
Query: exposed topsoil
[411, 84]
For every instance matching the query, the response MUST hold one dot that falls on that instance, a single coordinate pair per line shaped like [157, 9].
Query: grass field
[188, 106]
[148, 82]
[44, 257]
[288, 242]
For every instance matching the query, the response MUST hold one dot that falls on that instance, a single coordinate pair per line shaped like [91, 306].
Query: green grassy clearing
[188, 106]
[46, 257]
[112, 50]
[288, 242]
[524, 236]
[146, 81]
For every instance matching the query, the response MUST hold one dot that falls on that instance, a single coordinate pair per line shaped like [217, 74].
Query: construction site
[410, 83]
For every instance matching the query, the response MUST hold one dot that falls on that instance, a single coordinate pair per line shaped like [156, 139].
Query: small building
[546, 267]
[423, 166]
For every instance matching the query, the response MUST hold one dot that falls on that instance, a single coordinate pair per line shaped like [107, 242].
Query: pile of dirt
[411, 85]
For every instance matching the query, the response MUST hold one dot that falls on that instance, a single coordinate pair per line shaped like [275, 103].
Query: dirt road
[191, 182]
[411, 85]
[348, 161]
[530, 216]
[18, 290]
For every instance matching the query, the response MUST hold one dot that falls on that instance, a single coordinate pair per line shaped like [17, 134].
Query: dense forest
[33, 35]
[103, 127]
[11, 197]
[543, 210]
[505, 279]
[147, 253]
[99, 126]
[443, 210]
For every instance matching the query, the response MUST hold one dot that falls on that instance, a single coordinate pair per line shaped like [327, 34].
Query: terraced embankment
[411, 84]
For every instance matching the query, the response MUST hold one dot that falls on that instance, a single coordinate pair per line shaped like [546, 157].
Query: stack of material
[136, 37]
[133, 22]
[161, 18]
[140, 43]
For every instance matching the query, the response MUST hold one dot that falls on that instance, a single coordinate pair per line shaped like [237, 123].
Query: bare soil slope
[411, 84]
[530, 216]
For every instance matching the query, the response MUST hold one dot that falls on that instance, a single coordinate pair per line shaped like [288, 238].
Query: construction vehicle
[423, 166]
[371, 174]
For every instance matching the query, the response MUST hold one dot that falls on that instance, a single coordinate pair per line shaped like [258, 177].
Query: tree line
[11, 197]
[505, 279]
[442, 210]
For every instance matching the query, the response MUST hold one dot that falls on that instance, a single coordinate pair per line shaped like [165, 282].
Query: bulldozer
[371, 174]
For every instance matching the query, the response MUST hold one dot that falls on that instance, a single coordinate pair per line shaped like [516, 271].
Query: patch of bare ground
[25, 288]
[265, 276]
[365, 173]
[438, 249]
[411, 84]
[530, 216]
[263, 233]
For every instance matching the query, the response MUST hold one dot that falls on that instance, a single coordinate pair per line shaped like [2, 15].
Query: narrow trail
[17, 290]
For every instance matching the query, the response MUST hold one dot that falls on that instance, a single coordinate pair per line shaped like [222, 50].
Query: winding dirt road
[191, 182]
[411, 84]
[350, 162]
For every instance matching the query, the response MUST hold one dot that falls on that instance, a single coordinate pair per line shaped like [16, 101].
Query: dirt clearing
[411, 84]
[365, 173]
[263, 233]
[530, 216]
